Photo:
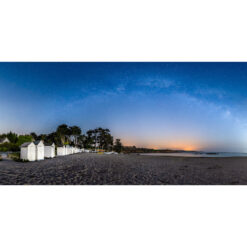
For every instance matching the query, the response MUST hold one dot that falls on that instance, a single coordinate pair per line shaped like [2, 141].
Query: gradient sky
[191, 106]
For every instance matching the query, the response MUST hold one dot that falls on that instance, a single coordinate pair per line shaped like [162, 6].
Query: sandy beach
[95, 169]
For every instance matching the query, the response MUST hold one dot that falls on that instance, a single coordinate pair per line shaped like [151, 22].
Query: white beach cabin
[61, 151]
[28, 151]
[68, 150]
[40, 150]
[49, 150]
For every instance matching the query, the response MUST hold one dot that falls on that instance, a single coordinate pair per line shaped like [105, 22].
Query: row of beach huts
[38, 150]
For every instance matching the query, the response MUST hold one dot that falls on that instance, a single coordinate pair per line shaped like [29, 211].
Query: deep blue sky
[199, 106]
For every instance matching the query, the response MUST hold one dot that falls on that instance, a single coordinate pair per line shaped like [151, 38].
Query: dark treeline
[98, 138]
[14, 143]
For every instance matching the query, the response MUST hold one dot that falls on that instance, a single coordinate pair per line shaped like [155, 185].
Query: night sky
[191, 106]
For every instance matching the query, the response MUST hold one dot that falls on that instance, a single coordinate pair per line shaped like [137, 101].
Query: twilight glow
[191, 106]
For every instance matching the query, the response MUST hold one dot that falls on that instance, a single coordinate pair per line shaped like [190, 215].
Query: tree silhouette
[118, 146]
[63, 131]
[34, 135]
[75, 131]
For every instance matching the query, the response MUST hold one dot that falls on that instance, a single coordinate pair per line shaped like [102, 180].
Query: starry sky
[190, 106]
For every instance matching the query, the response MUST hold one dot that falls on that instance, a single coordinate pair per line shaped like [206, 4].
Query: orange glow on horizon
[176, 145]
[190, 148]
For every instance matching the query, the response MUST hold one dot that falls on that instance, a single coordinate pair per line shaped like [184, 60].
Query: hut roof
[38, 142]
[25, 144]
[49, 144]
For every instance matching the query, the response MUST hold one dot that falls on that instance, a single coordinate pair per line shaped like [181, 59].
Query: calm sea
[182, 154]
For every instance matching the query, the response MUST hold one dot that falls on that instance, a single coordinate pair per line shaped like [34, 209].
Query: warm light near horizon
[189, 148]
[156, 146]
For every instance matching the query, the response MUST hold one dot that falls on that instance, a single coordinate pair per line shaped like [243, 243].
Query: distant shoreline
[198, 154]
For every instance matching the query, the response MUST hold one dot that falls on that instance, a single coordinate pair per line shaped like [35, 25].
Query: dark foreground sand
[126, 169]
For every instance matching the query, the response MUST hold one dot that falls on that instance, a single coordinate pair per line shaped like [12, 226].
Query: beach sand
[132, 169]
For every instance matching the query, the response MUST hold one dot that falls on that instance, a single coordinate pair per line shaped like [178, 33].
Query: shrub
[14, 156]
[3, 149]
[9, 147]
